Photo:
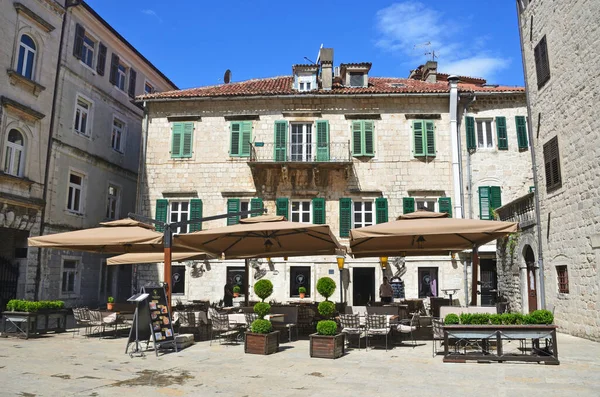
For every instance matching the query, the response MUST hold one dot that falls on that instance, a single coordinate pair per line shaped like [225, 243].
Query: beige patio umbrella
[156, 257]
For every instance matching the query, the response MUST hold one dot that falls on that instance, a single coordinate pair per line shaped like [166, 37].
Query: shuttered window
[233, 206]
[282, 204]
[101, 59]
[78, 45]
[132, 81]
[381, 210]
[318, 208]
[345, 217]
[552, 165]
[501, 133]
[162, 207]
[241, 136]
[280, 140]
[445, 205]
[195, 213]
[256, 204]
[322, 140]
[423, 138]
[114, 69]
[182, 140]
[363, 139]
[490, 198]
[408, 205]
[521, 124]
[470, 129]
[542, 64]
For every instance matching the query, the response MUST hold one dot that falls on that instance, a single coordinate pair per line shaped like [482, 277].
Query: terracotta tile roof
[343, 65]
[282, 85]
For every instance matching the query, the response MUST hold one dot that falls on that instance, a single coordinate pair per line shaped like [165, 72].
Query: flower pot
[302, 295]
[326, 346]
[236, 294]
[109, 306]
[261, 343]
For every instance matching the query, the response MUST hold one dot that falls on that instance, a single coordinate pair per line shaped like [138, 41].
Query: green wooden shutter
[233, 205]
[501, 133]
[195, 213]
[381, 208]
[445, 204]
[114, 69]
[78, 45]
[246, 138]
[470, 127]
[235, 128]
[176, 138]
[369, 138]
[256, 204]
[187, 139]
[281, 140]
[357, 147]
[495, 198]
[521, 132]
[484, 202]
[322, 140]
[430, 138]
[132, 81]
[282, 204]
[318, 210]
[345, 217]
[101, 64]
[418, 139]
[162, 206]
[408, 205]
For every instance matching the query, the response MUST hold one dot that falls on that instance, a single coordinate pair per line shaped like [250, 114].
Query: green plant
[302, 290]
[495, 319]
[511, 318]
[236, 289]
[263, 289]
[111, 299]
[327, 327]
[542, 317]
[20, 305]
[261, 326]
[326, 308]
[465, 318]
[512, 242]
[326, 287]
[451, 319]
[480, 318]
[262, 309]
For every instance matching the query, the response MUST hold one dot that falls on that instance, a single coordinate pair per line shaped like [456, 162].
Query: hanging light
[268, 245]
[222, 256]
[285, 258]
[340, 261]
[268, 259]
[384, 262]
[420, 241]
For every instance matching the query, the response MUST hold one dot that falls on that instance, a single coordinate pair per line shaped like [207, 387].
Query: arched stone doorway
[531, 278]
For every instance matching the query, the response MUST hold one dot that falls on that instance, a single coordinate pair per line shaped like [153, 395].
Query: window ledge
[16, 179]
[28, 84]
[82, 134]
[73, 213]
[91, 69]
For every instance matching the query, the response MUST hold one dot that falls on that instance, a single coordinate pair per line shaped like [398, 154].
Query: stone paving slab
[63, 365]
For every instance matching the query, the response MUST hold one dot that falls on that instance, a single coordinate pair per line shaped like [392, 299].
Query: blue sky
[194, 41]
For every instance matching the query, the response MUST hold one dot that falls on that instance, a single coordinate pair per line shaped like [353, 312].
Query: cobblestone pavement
[63, 365]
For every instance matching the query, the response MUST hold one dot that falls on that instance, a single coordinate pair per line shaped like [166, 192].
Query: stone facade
[563, 98]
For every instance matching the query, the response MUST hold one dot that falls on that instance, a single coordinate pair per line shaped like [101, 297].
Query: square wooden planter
[325, 346]
[261, 343]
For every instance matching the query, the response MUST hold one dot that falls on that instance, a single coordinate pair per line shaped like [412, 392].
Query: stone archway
[531, 278]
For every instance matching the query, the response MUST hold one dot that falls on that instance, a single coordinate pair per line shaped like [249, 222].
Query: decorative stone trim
[11, 179]
[242, 117]
[18, 79]
[25, 11]
[23, 110]
[172, 119]
[417, 116]
[363, 116]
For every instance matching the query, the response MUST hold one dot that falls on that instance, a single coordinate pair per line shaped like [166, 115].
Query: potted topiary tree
[262, 339]
[327, 342]
[302, 292]
[236, 291]
[111, 301]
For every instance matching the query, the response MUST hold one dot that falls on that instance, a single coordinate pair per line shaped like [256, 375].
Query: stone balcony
[521, 210]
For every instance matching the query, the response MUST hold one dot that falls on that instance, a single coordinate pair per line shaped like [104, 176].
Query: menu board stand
[397, 287]
[137, 334]
[160, 320]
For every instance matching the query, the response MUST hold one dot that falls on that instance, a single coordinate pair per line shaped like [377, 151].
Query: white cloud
[152, 13]
[406, 27]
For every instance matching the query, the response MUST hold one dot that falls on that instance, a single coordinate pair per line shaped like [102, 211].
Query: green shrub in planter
[529, 319]
[465, 318]
[261, 326]
[451, 319]
[495, 319]
[542, 317]
[236, 289]
[302, 290]
[480, 319]
[326, 308]
[512, 318]
[19, 305]
[262, 309]
[327, 327]
[326, 287]
[263, 289]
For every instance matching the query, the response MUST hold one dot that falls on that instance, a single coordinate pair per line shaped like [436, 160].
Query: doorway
[301, 135]
[531, 280]
[489, 282]
[363, 285]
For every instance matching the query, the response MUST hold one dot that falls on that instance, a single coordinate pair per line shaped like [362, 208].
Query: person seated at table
[385, 291]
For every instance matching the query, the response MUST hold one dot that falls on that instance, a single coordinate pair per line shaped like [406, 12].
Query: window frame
[89, 115]
[363, 138]
[425, 139]
[240, 142]
[76, 276]
[149, 84]
[301, 212]
[123, 133]
[22, 149]
[551, 167]
[562, 275]
[179, 213]
[70, 185]
[426, 199]
[116, 198]
[85, 50]
[363, 212]
[307, 284]
[307, 149]
[356, 74]
[27, 52]
[122, 75]
[487, 145]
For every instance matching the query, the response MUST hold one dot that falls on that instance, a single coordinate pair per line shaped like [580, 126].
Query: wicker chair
[377, 325]
[351, 326]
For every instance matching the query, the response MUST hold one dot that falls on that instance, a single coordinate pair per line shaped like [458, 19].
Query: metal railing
[333, 152]
[521, 210]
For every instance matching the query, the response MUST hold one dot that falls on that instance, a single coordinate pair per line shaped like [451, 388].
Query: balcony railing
[521, 210]
[334, 152]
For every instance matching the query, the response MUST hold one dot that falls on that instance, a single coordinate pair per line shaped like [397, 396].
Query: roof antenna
[429, 50]
[314, 63]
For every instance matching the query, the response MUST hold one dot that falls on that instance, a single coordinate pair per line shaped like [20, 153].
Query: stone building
[559, 41]
[325, 145]
[30, 32]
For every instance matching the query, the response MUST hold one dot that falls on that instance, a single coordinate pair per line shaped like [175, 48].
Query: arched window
[26, 60]
[14, 159]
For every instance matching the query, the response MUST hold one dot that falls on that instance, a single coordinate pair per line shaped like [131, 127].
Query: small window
[490, 198]
[485, 137]
[542, 64]
[26, 59]
[563, 279]
[179, 211]
[305, 82]
[301, 211]
[552, 165]
[363, 213]
[121, 76]
[357, 79]
[75, 193]
[241, 136]
[178, 279]
[299, 277]
[428, 282]
[118, 135]
[112, 204]
[14, 157]
[237, 276]
[87, 51]
[363, 138]
[423, 138]
[425, 204]
[82, 117]
[148, 88]
[69, 277]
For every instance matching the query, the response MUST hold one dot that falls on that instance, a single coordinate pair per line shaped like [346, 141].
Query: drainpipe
[542, 283]
[454, 138]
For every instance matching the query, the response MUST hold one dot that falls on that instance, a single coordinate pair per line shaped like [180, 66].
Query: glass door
[301, 142]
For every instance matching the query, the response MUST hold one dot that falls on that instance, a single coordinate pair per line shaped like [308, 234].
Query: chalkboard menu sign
[160, 317]
[397, 287]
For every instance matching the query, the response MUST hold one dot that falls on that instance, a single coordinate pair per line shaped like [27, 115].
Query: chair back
[84, 313]
[415, 320]
[376, 321]
[212, 313]
[77, 314]
[95, 316]
[437, 325]
[250, 317]
[349, 321]
[220, 322]
[201, 317]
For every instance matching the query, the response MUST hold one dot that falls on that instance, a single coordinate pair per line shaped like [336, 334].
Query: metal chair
[250, 317]
[408, 327]
[80, 314]
[377, 325]
[221, 327]
[437, 330]
[96, 322]
[351, 326]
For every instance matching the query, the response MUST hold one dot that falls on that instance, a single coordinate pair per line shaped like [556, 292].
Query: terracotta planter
[109, 306]
[236, 294]
[325, 346]
[261, 343]
[302, 295]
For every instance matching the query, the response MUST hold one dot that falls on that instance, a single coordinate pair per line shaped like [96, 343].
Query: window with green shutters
[182, 140]
[445, 205]
[363, 138]
[256, 204]
[318, 208]
[423, 138]
[281, 132]
[470, 129]
[501, 133]
[521, 132]
[490, 198]
[381, 210]
[322, 140]
[283, 204]
[195, 213]
[345, 217]
[233, 206]
[408, 205]
[162, 206]
[241, 136]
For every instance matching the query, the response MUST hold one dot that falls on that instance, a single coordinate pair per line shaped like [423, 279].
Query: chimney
[430, 72]
[326, 61]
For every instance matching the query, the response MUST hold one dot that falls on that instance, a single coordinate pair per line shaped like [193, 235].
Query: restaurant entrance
[363, 286]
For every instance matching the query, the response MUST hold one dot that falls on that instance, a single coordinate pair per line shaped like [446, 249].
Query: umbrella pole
[167, 265]
[246, 287]
[474, 276]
